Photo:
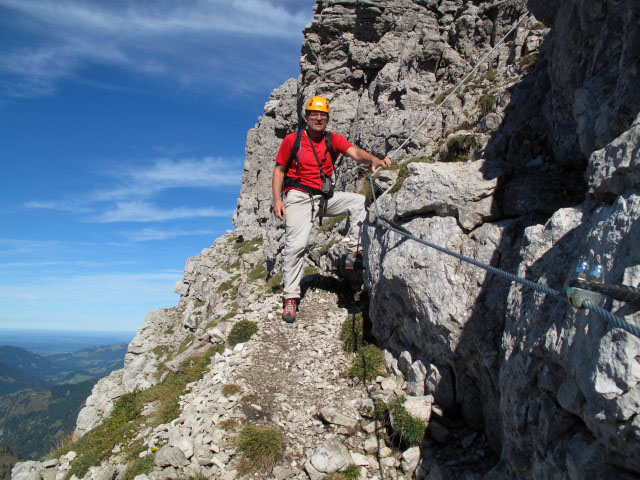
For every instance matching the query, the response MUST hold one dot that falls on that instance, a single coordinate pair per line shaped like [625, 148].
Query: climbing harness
[383, 222]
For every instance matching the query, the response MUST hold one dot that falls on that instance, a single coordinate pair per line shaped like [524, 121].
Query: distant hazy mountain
[26, 362]
[13, 380]
[59, 368]
[32, 421]
[40, 396]
[8, 458]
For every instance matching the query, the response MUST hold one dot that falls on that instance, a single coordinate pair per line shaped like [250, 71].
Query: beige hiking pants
[299, 222]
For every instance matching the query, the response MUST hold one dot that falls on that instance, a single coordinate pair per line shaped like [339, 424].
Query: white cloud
[146, 212]
[12, 246]
[135, 186]
[59, 206]
[147, 234]
[189, 42]
[103, 287]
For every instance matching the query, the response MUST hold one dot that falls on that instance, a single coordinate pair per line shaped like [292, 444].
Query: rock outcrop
[531, 167]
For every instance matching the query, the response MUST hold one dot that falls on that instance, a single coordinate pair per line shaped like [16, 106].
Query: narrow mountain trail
[295, 370]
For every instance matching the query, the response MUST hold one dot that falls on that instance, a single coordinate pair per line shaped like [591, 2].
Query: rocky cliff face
[531, 167]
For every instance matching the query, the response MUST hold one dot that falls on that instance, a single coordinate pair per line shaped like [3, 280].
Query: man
[304, 174]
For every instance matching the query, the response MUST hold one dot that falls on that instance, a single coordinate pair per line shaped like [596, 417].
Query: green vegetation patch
[403, 171]
[235, 265]
[406, 429]
[528, 61]
[327, 246]
[166, 394]
[258, 273]
[351, 472]
[352, 333]
[96, 445]
[486, 103]
[248, 246]
[241, 332]
[124, 422]
[198, 303]
[228, 285]
[229, 424]
[368, 363]
[365, 188]
[458, 148]
[139, 466]
[462, 126]
[310, 270]
[274, 284]
[260, 447]
[491, 74]
[230, 389]
[440, 98]
[161, 351]
[329, 223]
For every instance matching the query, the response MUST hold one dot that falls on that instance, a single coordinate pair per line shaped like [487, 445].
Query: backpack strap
[328, 140]
[294, 150]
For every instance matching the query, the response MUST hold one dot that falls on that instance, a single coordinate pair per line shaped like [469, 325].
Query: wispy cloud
[57, 205]
[148, 234]
[148, 38]
[129, 199]
[146, 212]
[162, 174]
[12, 246]
[102, 287]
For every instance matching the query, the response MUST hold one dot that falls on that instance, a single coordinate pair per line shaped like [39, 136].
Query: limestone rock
[419, 407]
[461, 190]
[333, 416]
[330, 457]
[170, 456]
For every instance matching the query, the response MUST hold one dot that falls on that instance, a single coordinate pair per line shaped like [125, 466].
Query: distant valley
[41, 395]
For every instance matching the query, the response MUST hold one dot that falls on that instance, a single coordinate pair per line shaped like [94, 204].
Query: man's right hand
[279, 210]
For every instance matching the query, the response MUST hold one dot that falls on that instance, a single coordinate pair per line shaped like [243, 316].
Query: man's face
[317, 121]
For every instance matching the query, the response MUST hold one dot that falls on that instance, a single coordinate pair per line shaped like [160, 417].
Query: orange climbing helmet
[318, 104]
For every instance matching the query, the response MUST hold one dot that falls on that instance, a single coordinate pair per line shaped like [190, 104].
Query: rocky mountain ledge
[426, 367]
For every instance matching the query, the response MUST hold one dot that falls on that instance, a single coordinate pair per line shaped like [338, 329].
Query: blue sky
[122, 134]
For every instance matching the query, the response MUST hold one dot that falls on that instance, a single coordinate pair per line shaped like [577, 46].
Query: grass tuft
[368, 363]
[241, 332]
[229, 424]
[230, 389]
[457, 149]
[228, 285]
[403, 172]
[406, 430]
[462, 126]
[258, 273]
[528, 62]
[139, 466]
[352, 333]
[310, 270]
[331, 222]
[248, 246]
[274, 284]
[261, 448]
[486, 103]
[96, 445]
[198, 303]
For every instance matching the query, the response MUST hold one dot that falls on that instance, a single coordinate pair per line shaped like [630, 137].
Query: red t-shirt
[305, 169]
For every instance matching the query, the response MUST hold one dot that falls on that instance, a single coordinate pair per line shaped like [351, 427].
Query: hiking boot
[289, 311]
[353, 260]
